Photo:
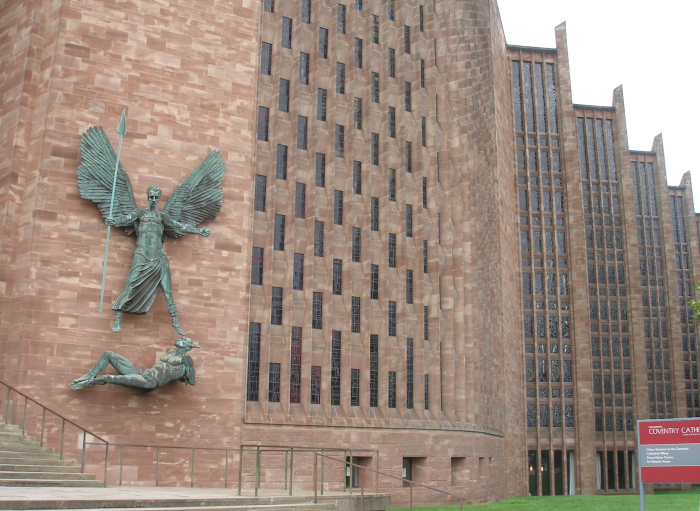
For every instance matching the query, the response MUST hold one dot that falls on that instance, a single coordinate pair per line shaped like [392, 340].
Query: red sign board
[669, 450]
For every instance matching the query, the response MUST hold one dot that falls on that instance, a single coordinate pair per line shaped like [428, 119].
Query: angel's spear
[121, 129]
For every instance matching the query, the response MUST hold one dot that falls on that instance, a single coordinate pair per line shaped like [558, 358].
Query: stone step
[49, 462]
[10, 474]
[301, 506]
[28, 483]
[44, 467]
[15, 453]
[20, 446]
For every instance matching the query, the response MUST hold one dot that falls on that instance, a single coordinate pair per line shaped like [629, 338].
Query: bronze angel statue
[197, 198]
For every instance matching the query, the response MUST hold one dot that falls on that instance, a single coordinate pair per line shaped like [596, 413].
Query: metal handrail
[44, 409]
[411, 484]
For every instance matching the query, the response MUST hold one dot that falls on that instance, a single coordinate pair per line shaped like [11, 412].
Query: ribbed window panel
[340, 78]
[356, 244]
[358, 53]
[375, 29]
[374, 213]
[298, 273]
[392, 63]
[337, 277]
[392, 185]
[281, 164]
[253, 380]
[256, 273]
[407, 96]
[276, 306]
[304, 68]
[317, 311]
[322, 43]
[355, 315]
[286, 32]
[300, 201]
[278, 239]
[392, 250]
[392, 319]
[409, 373]
[335, 368]
[407, 39]
[260, 192]
[263, 123]
[374, 282]
[295, 367]
[321, 101]
[392, 122]
[318, 239]
[338, 207]
[266, 59]
[375, 87]
[341, 19]
[373, 371]
[339, 141]
[284, 95]
[306, 11]
[320, 170]
[302, 125]
[357, 113]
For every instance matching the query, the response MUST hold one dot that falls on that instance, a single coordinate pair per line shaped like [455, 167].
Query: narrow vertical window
[373, 370]
[358, 5]
[304, 68]
[392, 250]
[273, 395]
[317, 311]
[357, 178]
[426, 330]
[340, 78]
[266, 60]
[409, 286]
[375, 149]
[392, 185]
[321, 104]
[320, 170]
[425, 192]
[341, 19]
[354, 387]
[298, 275]
[269, 5]
[305, 14]
[318, 239]
[407, 39]
[253, 382]
[392, 122]
[286, 32]
[425, 256]
[426, 392]
[408, 157]
[263, 123]
[392, 63]
[356, 244]
[375, 87]
[409, 373]
[302, 123]
[374, 213]
[260, 192]
[392, 386]
[339, 141]
[276, 306]
[374, 282]
[337, 277]
[355, 315]
[357, 114]
[420, 25]
[335, 368]
[278, 242]
[322, 43]
[407, 95]
[256, 274]
[300, 201]
[375, 29]
[284, 95]
[409, 221]
[423, 133]
[338, 207]
[422, 73]
[295, 367]
[392, 319]
[358, 53]
[391, 10]
[281, 165]
[315, 385]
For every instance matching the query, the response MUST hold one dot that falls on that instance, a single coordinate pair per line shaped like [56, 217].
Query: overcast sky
[647, 47]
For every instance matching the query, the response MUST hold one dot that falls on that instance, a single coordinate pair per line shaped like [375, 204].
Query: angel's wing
[96, 175]
[198, 197]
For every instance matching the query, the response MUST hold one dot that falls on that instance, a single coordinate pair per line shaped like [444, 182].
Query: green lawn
[667, 501]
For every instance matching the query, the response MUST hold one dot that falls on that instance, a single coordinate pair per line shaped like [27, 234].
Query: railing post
[351, 472]
[257, 470]
[82, 462]
[157, 463]
[410, 496]
[43, 421]
[323, 464]
[24, 417]
[63, 429]
[226, 470]
[376, 480]
[291, 471]
[362, 489]
[121, 464]
[285, 469]
[7, 406]
[240, 469]
[315, 474]
[345, 468]
[192, 471]
[106, 456]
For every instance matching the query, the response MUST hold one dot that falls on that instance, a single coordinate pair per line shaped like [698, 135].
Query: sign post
[669, 452]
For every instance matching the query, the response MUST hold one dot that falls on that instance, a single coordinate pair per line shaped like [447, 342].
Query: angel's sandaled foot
[84, 381]
[117, 322]
[175, 324]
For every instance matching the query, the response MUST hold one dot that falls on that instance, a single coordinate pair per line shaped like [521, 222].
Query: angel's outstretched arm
[124, 220]
[171, 222]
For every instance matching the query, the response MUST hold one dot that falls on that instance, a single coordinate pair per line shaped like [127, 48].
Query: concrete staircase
[23, 462]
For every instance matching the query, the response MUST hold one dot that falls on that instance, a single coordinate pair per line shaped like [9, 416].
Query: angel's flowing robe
[149, 267]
